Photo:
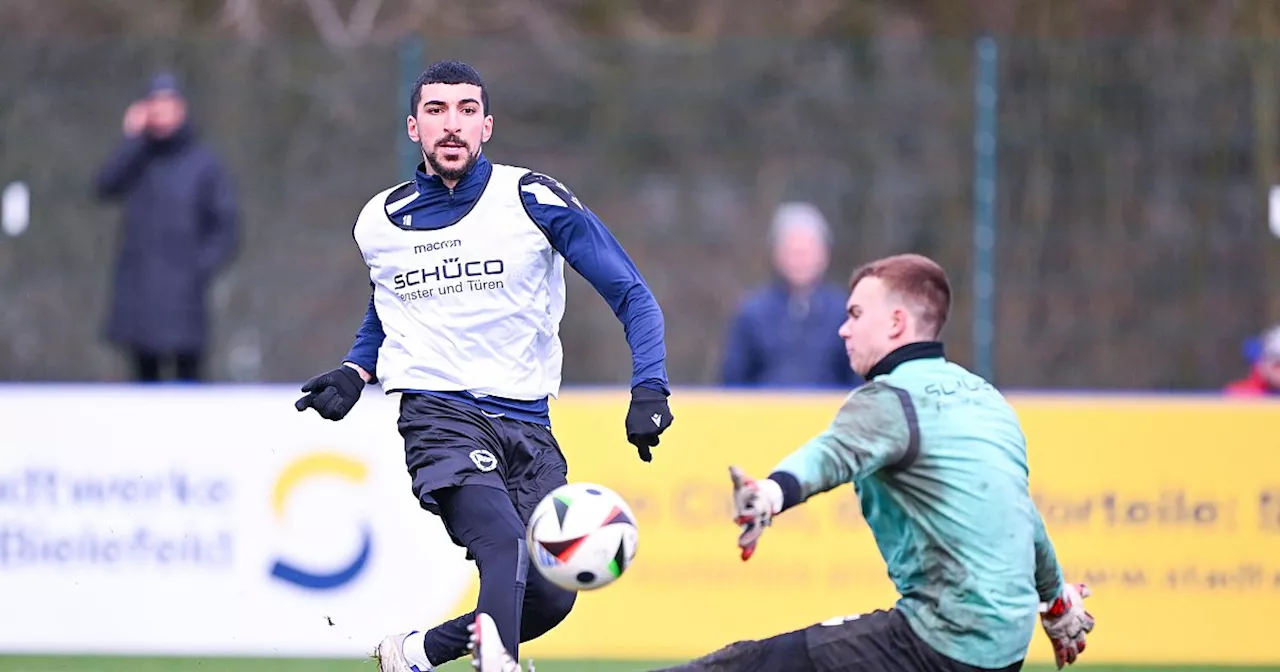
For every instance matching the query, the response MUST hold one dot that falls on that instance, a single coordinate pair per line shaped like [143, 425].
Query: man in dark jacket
[785, 334]
[180, 227]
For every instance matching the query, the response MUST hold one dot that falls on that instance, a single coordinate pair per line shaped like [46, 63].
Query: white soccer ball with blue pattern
[582, 536]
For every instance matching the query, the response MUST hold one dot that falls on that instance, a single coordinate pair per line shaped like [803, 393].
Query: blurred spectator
[784, 334]
[1264, 375]
[180, 227]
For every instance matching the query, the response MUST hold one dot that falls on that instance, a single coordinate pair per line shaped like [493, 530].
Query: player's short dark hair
[917, 279]
[448, 72]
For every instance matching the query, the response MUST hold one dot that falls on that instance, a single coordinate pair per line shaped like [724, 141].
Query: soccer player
[939, 462]
[467, 263]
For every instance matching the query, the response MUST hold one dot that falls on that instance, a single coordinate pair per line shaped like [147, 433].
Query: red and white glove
[754, 505]
[1066, 622]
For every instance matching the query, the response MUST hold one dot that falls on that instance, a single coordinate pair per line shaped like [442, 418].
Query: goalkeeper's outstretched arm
[1049, 580]
[874, 429]
[1062, 609]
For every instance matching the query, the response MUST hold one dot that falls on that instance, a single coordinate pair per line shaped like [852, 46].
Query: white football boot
[488, 654]
[390, 655]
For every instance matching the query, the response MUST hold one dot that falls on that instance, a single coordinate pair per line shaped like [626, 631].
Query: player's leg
[880, 641]
[876, 642]
[452, 452]
[532, 467]
[485, 521]
[782, 653]
[787, 652]
[545, 604]
[872, 642]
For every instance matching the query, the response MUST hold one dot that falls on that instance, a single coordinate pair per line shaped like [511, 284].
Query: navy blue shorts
[451, 443]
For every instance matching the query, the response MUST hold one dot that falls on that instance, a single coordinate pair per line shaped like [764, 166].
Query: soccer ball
[582, 536]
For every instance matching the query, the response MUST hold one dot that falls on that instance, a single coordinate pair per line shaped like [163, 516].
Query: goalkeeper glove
[1066, 622]
[754, 505]
[333, 393]
[647, 417]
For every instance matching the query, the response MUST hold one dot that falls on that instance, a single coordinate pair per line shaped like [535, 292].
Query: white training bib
[475, 306]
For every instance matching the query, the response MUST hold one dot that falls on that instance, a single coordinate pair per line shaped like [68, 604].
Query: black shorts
[880, 641]
[450, 443]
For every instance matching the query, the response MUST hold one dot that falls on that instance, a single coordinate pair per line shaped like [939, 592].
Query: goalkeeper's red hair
[917, 280]
[893, 302]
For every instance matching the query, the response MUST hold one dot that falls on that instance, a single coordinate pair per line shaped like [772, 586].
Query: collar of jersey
[436, 206]
[906, 353]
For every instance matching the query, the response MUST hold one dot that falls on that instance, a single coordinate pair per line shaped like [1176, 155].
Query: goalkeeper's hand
[1066, 622]
[754, 505]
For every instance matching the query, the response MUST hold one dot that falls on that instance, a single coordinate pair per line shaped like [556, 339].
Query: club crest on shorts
[484, 460]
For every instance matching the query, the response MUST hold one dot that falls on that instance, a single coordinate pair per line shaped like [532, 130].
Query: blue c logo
[305, 468]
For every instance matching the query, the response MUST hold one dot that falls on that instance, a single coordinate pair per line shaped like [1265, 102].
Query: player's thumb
[305, 401]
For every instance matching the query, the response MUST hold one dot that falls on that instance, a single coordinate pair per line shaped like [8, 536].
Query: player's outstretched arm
[334, 393]
[591, 250]
[1063, 615]
[874, 429]
[1049, 581]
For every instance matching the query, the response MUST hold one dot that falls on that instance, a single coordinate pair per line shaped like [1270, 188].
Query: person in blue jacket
[784, 334]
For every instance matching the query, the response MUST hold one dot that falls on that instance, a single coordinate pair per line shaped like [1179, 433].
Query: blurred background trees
[1137, 146]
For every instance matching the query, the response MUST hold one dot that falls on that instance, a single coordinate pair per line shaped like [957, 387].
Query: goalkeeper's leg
[880, 641]
[781, 653]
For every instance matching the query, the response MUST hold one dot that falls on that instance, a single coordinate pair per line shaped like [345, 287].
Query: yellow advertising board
[1168, 507]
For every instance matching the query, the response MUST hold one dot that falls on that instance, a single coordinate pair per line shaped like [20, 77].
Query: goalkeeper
[938, 460]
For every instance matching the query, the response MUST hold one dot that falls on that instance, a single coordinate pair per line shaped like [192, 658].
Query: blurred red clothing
[1253, 385]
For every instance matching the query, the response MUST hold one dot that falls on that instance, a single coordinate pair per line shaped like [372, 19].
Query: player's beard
[446, 173]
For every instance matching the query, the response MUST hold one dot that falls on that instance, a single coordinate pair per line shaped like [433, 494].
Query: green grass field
[96, 664]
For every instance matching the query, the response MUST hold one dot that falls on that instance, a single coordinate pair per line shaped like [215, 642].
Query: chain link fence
[1131, 246]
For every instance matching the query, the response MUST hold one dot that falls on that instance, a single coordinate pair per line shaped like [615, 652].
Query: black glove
[648, 416]
[332, 394]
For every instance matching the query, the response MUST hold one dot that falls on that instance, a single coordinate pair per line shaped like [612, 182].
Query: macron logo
[657, 420]
[432, 247]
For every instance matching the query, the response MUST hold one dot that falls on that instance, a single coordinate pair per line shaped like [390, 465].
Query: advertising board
[219, 520]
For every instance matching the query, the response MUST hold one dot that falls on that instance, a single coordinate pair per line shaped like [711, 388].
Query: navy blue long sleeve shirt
[587, 246]
[778, 340]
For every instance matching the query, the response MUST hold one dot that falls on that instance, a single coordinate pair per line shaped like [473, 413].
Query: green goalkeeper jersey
[939, 463]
